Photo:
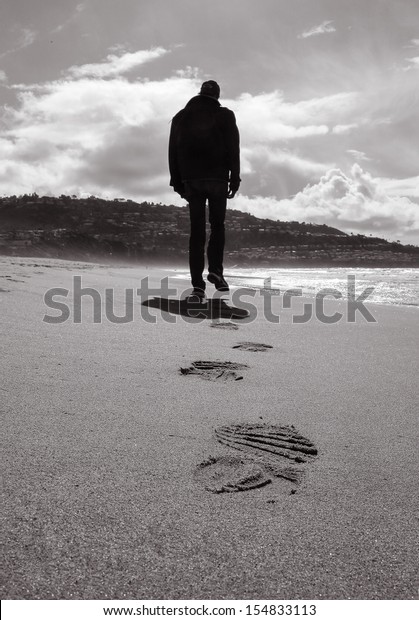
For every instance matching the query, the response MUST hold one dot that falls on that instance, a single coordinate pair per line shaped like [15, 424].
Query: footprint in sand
[225, 325]
[228, 474]
[252, 346]
[4, 290]
[215, 371]
[270, 451]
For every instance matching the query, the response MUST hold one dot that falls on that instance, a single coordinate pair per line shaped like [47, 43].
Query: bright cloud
[117, 65]
[324, 28]
[354, 202]
[266, 118]
[3, 76]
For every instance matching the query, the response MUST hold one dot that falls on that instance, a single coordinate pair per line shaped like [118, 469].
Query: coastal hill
[124, 230]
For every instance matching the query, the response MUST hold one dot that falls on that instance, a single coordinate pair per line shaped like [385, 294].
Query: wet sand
[105, 440]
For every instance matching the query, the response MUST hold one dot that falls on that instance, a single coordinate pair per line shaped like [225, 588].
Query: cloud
[25, 38]
[282, 139]
[269, 118]
[273, 166]
[189, 72]
[83, 134]
[3, 76]
[91, 135]
[358, 155]
[401, 187]
[117, 65]
[354, 202]
[413, 62]
[343, 129]
[324, 28]
[77, 12]
[111, 135]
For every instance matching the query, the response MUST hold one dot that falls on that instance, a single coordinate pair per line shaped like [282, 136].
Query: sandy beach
[104, 436]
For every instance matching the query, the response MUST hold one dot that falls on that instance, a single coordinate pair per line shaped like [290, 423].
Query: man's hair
[210, 89]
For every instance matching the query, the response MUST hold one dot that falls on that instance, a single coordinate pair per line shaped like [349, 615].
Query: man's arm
[233, 147]
[175, 179]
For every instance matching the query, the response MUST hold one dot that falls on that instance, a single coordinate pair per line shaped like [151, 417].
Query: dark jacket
[204, 143]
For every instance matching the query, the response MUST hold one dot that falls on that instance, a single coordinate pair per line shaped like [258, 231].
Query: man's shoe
[218, 281]
[197, 296]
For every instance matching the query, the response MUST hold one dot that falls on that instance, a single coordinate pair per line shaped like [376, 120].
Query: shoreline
[183, 276]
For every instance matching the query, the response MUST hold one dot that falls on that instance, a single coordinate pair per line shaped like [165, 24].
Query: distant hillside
[96, 229]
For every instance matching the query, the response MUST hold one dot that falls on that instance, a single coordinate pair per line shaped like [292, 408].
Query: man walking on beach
[204, 163]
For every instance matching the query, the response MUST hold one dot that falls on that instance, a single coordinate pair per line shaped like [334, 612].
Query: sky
[325, 93]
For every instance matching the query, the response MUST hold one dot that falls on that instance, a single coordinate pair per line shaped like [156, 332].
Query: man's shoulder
[226, 111]
[226, 115]
[176, 120]
[179, 114]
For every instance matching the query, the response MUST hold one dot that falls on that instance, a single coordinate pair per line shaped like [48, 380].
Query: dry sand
[103, 437]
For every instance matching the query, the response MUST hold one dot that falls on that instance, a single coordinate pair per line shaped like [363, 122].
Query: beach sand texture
[114, 479]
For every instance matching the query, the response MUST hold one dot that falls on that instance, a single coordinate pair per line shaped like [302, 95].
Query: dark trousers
[197, 193]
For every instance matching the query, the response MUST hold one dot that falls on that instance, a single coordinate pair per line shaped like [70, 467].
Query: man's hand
[233, 188]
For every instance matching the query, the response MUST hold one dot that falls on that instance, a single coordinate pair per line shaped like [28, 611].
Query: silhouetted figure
[204, 162]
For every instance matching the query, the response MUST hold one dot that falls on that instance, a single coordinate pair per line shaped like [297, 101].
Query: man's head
[210, 89]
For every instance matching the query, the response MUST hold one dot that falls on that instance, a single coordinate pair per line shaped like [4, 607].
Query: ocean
[398, 287]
